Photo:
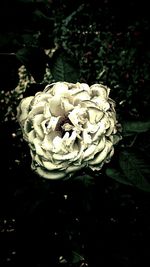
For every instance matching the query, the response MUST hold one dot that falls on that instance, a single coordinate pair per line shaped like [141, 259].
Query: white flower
[69, 126]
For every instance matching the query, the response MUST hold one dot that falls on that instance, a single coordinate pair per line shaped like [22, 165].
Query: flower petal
[36, 110]
[89, 152]
[95, 115]
[23, 108]
[31, 136]
[38, 148]
[102, 103]
[53, 175]
[79, 97]
[60, 88]
[47, 143]
[102, 155]
[66, 105]
[55, 106]
[100, 90]
[69, 156]
[51, 166]
[37, 125]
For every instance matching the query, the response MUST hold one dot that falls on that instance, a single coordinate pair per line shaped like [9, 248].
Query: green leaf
[117, 176]
[40, 15]
[135, 169]
[76, 257]
[132, 127]
[85, 179]
[34, 60]
[68, 19]
[64, 68]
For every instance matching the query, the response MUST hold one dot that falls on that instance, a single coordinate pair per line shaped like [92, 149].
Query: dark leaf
[85, 179]
[135, 169]
[34, 60]
[118, 176]
[76, 257]
[64, 68]
[8, 70]
[40, 15]
[33, 88]
[132, 127]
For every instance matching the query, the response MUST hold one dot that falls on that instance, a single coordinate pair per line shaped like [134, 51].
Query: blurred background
[97, 219]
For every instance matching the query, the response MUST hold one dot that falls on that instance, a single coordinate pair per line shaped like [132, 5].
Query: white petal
[70, 140]
[75, 89]
[111, 153]
[102, 155]
[95, 115]
[86, 137]
[100, 90]
[89, 104]
[80, 148]
[73, 117]
[37, 125]
[23, 108]
[101, 130]
[57, 144]
[111, 127]
[44, 126]
[37, 159]
[51, 124]
[102, 103]
[60, 88]
[78, 116]
[40, 97]
[50, 174]
[69, 156]
[36, 110]
[100, 146]
[55, 106]
[31, 136]
[79, 97]
[66, 105]
[47, 113]
[91, 128]
[47, 143]
[51, 166]
[89, 152]
[85, 86]
[49, 89]
[39, 150]
[105, 121]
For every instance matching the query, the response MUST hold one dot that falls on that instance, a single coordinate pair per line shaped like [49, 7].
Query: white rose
[68, 127]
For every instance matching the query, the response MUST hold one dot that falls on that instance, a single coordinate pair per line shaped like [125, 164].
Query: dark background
[95, 219]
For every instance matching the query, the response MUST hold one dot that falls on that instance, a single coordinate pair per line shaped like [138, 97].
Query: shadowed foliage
[96, 218]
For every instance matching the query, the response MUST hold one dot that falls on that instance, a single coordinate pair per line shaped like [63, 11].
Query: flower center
[64, 125]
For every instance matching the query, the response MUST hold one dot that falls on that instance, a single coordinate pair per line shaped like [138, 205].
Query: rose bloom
[68, 127]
